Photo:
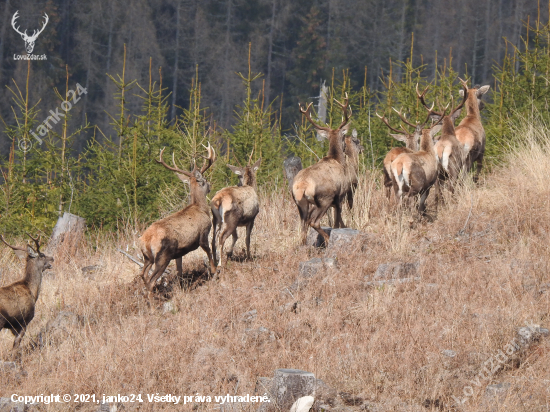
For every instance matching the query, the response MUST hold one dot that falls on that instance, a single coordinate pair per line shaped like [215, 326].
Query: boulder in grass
[396, 270]
[349, 240]
[311, 267]
[286, 387]
[68, 229]
[315, 239]
[291, 167]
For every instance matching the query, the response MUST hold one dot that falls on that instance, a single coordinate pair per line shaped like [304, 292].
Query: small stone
[261, 334]
[497, 391]
[311, 267]
[448, 353]
[396, 270]
[58, 329]
[169, 307]
[7, 366]
[529, 334]
[391, 281]
[342, 237]
[250, 316]
[6, 405]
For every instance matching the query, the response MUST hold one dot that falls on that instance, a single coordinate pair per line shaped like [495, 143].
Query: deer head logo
[29, 40]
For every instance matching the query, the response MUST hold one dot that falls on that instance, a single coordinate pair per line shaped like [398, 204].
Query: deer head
[29, 40]
[247, 174]
[41, 261]
[198, 184]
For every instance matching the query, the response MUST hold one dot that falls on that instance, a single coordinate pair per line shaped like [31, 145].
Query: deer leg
[479, 166]
[146, 267]
[315, 221]
[248, 232]
[18, 336]
[304, 212]
[204, 245]
[338, 216]
[422, 202]
[216, 226]
[179, 267]
[160, 266]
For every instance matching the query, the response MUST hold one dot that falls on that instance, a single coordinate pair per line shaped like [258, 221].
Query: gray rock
[6, 405]
[107, 407]
[7, 366]
[448, 353]
[60, 328]
[530, 334]
[89, 272]
[169, 307]
[391, 281]
[286, 387]
[250, 316]
[315, 239]
[261, 334]
[497, 392]
[311, 267]
[396, 270]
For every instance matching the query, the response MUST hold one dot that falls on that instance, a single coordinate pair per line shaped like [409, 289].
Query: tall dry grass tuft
[483, 268]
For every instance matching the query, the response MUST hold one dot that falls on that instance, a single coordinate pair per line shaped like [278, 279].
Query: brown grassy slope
[382, 343]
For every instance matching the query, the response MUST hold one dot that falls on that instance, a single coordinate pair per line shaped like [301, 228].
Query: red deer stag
[415, 173]
[17, 301]
[470, 131]
[411, 146]
[182, 232]
[324, 184]
[236, 206]
[449, 151]
[353, 148]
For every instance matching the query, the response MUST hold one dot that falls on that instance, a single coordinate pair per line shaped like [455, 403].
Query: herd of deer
[411, 171]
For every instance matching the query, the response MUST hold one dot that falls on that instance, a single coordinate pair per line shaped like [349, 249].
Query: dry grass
[381, 343]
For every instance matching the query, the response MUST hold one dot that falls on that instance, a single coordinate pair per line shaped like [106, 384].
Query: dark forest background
[180, 73]
[295, 44]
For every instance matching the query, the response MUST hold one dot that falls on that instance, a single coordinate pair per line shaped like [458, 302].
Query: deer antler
[464, 98]
[390, 127]
[208, 160]
[250, 158]
[36, 241]
[13, 247]
[173, 169]
[307, 113]
[404, 119]
[430, 110]
[464, 84]
[346, 117]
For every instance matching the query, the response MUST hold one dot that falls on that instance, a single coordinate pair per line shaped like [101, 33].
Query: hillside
[483, 273]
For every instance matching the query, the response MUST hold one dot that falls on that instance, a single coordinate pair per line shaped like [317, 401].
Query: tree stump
[68, 231]
[292, 166]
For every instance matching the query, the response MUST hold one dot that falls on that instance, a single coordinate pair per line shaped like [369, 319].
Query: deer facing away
[318, 187]
[235, 206]
[415, 173]
[470, 131]
[182, 232]
[18, 300]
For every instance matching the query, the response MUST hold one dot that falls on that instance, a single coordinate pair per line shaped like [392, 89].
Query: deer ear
[354, 133]
[344, 130]
[183, 178]
[31, 252]
[461, 92]
[482, 90]
[256, 165]
[434, 130]
[456, 115]
[237, 170]
[322, 134]
[400, 137]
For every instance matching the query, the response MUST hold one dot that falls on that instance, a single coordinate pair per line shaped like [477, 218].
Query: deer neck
[199, 199]
[33, 277]
[249, 178]
[426, 141]
[472, 106]
[335, 150]
[448, 126]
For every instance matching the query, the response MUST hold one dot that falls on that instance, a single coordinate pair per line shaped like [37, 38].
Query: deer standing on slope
[236, 206]
[470, 131]
[415, 173]
[324, 184]
[18, 300]
[182, 232]
[411, 145]
[448, 149]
